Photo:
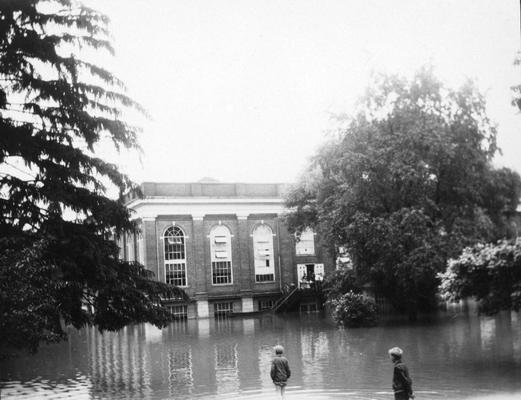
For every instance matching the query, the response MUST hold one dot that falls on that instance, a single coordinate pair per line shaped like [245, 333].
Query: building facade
[224, 244]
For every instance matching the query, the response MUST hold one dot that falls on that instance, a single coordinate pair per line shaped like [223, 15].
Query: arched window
[221, 255]
[305, 245]
[175, 256]
[264, 260]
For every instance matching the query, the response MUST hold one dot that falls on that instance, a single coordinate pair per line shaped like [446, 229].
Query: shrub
[353, 310]
[489, 272]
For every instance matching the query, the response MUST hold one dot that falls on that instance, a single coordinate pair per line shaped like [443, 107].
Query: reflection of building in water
[223, 326]
[516, 335]
[119, 361]
[315, 354]
[177, 328]
[225, 244]
[180, 379]
[226, 327]
[153, 334]
[128, 362]
[248, 326]
[265, 357]
[487, 327]
[203, 328]
[226, 371]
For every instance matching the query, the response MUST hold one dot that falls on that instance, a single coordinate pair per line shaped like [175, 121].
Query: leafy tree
[489, 272]
[339, 282]
[57, 253]
[405, 184]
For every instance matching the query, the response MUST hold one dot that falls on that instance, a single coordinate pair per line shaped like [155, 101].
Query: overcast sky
[243, 90]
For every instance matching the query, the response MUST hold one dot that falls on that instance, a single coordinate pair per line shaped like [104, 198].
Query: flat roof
[210, 190]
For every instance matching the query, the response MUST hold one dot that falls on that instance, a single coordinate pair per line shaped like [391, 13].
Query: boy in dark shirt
[280, 371]
[402, 382]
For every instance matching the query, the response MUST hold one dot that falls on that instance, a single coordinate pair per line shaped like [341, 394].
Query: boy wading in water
[280, 371]
[402, 382]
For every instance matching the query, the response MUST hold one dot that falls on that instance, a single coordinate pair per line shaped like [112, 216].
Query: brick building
[223, 243]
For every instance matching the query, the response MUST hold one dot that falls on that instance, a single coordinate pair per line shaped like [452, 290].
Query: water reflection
[180, 378]
[456, 356]
[314, 351]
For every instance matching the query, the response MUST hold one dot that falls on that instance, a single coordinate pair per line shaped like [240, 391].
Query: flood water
[452, 356]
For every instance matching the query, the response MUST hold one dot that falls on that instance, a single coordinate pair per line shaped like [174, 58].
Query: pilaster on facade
[203, 309]
[150, 245]
[246, 272]
[199, 255]
[247, 304]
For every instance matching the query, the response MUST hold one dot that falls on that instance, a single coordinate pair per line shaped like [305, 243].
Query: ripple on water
[81, 391]
[39, 388]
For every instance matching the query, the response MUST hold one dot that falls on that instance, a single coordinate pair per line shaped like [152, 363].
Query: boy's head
[395, 353]
[278, 349]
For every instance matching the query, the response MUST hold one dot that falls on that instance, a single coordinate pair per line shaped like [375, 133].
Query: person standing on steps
[402, 382]
[280, 371]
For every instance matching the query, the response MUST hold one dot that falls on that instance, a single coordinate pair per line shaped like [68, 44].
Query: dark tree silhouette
[58, 261]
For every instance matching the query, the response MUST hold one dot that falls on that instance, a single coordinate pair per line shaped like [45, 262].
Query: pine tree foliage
[55, 107]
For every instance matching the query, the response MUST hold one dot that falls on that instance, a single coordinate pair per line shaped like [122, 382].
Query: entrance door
[308, 274]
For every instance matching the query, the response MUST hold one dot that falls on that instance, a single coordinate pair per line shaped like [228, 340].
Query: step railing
[283, 300]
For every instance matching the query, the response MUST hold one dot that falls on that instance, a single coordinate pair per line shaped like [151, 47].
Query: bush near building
[353, 310]
[489, 272]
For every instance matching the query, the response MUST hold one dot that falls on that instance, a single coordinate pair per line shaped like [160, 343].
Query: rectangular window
[222, 309]
[265, 278]
[343, 260]
[174, 250]
[305, 245]
[176, 274]
[264, 258]
[178, 311]
[221, 255]
[265, 305]
[221, 272]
